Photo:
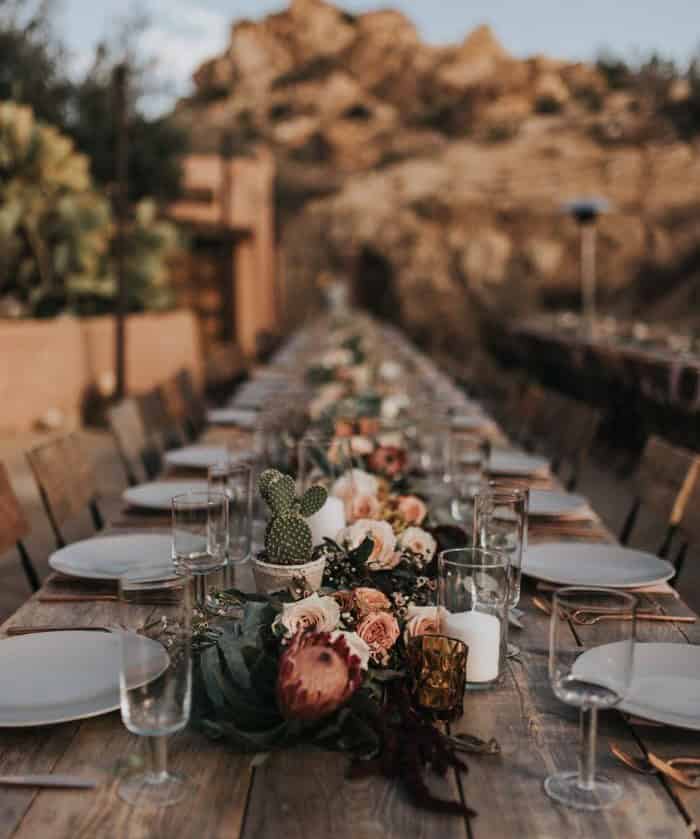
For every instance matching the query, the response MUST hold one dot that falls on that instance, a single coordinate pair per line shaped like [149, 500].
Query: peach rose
[363, 507]
[421, 620]
[313, 613]
[370, 600]
[384, 555]
[354, 482]
[412, 509]
[368, 425]
[380, 631]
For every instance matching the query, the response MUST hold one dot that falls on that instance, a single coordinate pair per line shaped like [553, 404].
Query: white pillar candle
[328, 521]
[481, 632]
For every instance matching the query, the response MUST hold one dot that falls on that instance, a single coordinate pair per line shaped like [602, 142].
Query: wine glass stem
[200, 591]
[589, 740]
[159, 759]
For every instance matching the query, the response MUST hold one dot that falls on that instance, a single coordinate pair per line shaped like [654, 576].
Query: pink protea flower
[316, 676]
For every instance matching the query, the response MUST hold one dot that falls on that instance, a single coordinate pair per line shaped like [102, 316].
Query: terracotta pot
[270, 577]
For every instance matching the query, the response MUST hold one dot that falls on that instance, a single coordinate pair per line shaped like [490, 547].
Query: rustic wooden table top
[304, 793]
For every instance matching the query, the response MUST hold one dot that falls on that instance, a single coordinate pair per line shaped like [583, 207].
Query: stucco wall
[50, 364]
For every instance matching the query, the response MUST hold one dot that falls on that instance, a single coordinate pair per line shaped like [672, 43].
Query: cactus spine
[288, 539]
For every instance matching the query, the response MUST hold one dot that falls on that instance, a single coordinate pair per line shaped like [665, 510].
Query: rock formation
[434, 176]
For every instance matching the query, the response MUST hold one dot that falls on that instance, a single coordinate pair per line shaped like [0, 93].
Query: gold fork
[653, 764]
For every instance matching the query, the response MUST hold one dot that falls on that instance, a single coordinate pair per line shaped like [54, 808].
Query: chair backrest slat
[13, 523]
[665, 478]
[65, 480]
[130, 437]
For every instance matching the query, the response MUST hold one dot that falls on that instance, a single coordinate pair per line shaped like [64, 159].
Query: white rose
[360, 376]
[384, 555]
[361, 445]
[355, 482]
[390, 371]
[319, 614]
[419, 541]
[393, 405]
[357, 646]
[337, 358]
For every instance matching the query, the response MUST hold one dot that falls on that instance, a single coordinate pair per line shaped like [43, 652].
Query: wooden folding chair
[575, 427]
[157, 421]
[14, 527]
[66, 483]
[664, 480]
[140, 456]
[689, 524]
[194, 405]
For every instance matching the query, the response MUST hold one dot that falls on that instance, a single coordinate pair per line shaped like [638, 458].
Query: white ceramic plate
[158, 494]
[550, 503]
[111, 557]
[232, 416]
[52, 677]
[572, 564]
[665, 683]
[504, 462]
[196, 457]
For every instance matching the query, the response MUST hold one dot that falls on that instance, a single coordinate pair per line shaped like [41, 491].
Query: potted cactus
[288, 539]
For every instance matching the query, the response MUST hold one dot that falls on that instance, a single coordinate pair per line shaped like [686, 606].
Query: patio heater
[586, 211]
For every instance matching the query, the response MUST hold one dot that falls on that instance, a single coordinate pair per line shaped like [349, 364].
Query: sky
[185, 32]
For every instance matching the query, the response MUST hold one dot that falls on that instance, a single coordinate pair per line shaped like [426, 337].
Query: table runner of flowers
[329, 667]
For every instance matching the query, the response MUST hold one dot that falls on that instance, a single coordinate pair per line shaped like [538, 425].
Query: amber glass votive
[438, 666]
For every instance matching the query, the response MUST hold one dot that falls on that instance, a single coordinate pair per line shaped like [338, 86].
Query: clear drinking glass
[469, 457]
[235, 480]
[500, 525]
[590, 676]
[200, 537]
[472, 607]
[322, 459]
[156, 676]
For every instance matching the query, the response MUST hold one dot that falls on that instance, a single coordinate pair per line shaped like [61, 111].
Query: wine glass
[235, 480]
[468, 458]
[500, 525]
[200, 537]
[590, 676]
[155, 681]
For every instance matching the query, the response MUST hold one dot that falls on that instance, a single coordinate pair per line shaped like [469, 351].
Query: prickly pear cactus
[288, 539]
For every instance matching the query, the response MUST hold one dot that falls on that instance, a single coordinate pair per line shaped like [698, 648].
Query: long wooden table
[304, 793]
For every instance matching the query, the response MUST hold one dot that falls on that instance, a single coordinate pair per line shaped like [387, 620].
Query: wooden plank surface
[304, 793]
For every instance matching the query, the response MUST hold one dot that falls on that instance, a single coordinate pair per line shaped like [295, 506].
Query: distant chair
[575, 426]
[157, 421]
[14, 527]
[66, 483]
[140, 456]
[194, 406]
[689, 523]
[665, 478]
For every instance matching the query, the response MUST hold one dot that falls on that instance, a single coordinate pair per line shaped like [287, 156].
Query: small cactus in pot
[288, 539]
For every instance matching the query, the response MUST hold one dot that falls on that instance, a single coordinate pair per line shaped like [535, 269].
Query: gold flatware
[690, 779]
[652, 764]
[585, 618]
[75, 598]
[592, 616]
[30, 630]
[639, 764]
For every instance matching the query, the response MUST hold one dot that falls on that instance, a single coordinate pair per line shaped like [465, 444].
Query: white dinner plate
[572, 564]
[551, 503]
[505, 462]
[52, 677]
[111, 557]
[233, 416]
[665, 684]
[157, 495]
[196, 457]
